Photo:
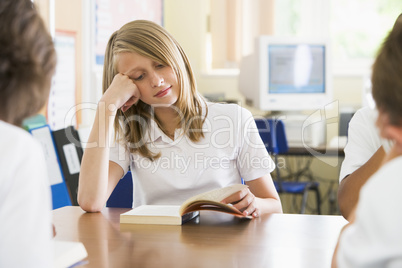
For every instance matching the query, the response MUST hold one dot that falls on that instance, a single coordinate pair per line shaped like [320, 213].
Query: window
[233, 26]
[358, 28]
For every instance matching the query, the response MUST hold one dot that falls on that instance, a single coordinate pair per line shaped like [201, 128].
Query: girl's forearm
[269, 205]
[94, 174]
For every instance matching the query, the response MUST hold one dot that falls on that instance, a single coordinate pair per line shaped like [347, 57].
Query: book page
[214, 206]
[216, 195]
[152, 214]
[154, 210]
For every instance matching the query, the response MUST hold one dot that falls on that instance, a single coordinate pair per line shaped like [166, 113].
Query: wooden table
[211, 240]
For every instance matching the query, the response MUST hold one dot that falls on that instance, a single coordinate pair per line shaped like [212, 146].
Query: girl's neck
[169, 119]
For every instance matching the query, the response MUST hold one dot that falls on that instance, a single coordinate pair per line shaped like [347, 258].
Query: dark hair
[27, 61]
[387, 75]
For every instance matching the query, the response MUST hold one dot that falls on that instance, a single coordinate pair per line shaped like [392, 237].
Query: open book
[176, 215]
[68, 253]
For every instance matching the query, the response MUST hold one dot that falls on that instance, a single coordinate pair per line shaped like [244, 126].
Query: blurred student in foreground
[373, 237]
[27, 63]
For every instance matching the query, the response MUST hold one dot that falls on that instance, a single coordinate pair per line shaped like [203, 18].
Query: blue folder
[60, 194]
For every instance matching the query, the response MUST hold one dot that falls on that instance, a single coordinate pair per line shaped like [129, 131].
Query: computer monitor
[287, 74]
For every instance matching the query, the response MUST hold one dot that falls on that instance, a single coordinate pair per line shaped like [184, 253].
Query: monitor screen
[287, 74]
[296, 68]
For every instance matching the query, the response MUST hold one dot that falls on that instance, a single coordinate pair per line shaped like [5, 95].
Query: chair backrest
[122, 195]
[273, 135]
[272, 132]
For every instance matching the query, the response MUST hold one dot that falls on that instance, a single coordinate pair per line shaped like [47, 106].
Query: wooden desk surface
[211, 240]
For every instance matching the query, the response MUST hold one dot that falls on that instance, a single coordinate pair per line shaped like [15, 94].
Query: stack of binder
[63, 154]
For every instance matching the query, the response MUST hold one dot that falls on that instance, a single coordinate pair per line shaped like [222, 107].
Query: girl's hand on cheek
[122, 93]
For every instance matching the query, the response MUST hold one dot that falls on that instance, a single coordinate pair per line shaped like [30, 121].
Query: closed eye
[139, 77]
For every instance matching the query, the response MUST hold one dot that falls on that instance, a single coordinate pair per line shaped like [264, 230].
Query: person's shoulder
[381, 191]
[222, 106]
[387, 176]
[391, 167]
[11, 132]
[365, 115]
[15, 139]
[231, 109]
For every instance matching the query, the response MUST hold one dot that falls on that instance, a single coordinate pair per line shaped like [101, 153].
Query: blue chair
[122, 195]
[272, 132]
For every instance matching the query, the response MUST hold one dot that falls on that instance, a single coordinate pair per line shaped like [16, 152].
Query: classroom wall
[187, 21]
[68, 18]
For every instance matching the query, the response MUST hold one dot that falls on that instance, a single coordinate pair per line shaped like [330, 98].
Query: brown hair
[387, 75]
[153, 41]
[27, 61]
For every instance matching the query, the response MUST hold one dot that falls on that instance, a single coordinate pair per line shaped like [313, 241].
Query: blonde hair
[150, 40]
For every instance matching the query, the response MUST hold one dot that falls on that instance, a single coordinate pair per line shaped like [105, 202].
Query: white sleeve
[120, 155]
[363, 141]
[253, 159]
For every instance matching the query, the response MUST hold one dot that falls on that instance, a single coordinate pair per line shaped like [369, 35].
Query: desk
[320, 151]
[304, 167]
[320, 164]
[211, 240]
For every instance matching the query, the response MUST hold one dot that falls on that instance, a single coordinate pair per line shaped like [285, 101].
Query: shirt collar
[155, 134]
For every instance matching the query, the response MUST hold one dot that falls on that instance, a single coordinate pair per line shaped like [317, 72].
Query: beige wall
[187, 22]
[68, 18]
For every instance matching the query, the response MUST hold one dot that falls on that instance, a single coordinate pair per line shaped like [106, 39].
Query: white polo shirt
[363, 141]
[231, 149]
[25, 201]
